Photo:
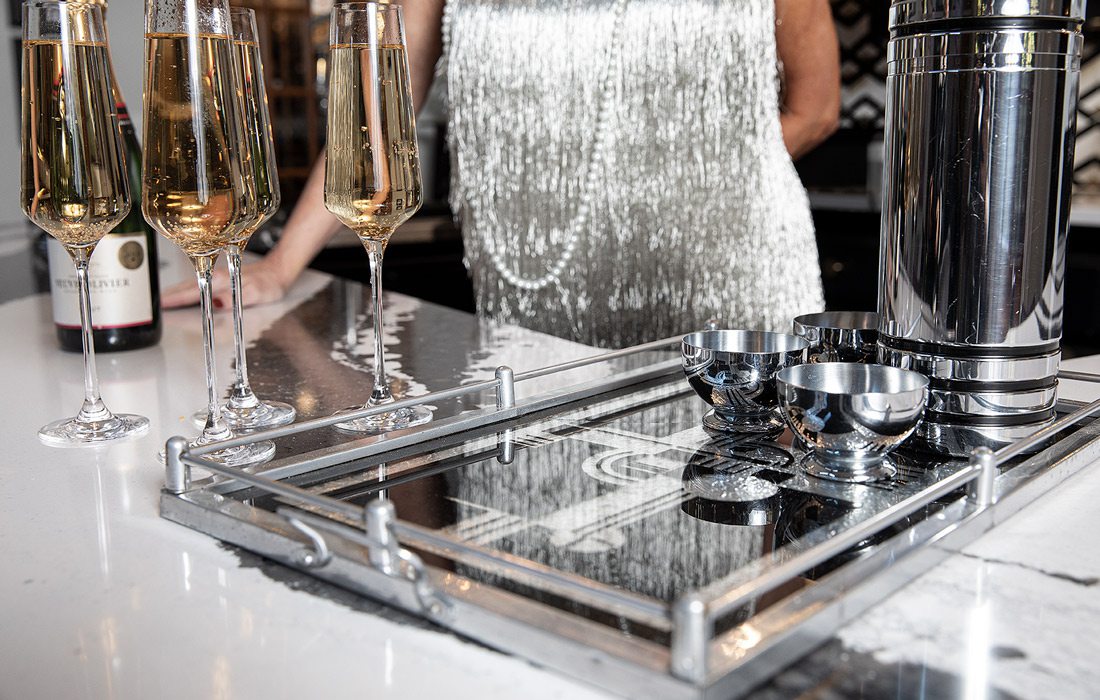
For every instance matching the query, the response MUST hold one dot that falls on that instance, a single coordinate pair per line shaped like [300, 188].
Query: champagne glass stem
[241, 395]
[215, 428]
[93, 408]
[381, 392]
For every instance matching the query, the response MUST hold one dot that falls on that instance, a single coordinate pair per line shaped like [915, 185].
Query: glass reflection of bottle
[123, 272]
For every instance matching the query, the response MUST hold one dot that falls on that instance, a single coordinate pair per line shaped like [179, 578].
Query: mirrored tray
[598, 529]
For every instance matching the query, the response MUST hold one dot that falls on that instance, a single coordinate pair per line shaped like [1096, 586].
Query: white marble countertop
[102, 598]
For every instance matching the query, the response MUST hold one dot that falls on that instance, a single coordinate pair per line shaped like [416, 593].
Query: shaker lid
[905, 13]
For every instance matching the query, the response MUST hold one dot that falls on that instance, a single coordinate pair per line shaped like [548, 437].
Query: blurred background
[425, 259]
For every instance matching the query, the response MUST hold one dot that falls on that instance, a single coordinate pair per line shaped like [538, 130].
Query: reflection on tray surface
[631, 493]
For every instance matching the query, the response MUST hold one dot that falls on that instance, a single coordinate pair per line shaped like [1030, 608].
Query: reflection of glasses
[372, 166]
[75, 185]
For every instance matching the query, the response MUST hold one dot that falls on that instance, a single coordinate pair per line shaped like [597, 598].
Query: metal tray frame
[367, 549]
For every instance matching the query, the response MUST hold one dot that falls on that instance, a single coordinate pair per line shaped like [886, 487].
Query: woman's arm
[310, 225]
[807, 45]
[424, 35]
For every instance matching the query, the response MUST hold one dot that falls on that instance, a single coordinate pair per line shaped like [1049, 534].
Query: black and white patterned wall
[862, 30]
[1086, 175]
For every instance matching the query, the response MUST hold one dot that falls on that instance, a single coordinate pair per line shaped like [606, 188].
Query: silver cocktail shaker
[976, 184]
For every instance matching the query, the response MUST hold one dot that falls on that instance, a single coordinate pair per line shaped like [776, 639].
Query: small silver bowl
[734, 372]
[851, 416]
[839, 336]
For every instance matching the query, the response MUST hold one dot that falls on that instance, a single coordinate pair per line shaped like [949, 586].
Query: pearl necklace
[599, 148]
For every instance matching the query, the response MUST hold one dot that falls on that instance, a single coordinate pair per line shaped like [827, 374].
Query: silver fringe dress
[619, 170]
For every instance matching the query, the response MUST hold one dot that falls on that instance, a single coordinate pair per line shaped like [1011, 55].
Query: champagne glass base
[268, 414]
[384, 422]
[243, 456]
[72, 432]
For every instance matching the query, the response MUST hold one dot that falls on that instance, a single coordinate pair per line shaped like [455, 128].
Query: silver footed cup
[839, 336]
[851, 416]
[734, 371]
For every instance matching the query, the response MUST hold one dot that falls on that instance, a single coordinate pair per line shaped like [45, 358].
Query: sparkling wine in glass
[74, 178]
[372, 166]
[197, 185]
[244, 410]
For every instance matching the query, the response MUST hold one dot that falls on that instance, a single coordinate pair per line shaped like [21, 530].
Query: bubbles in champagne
[196, 191]
[372, 173]
[74, 182]
[260, 147]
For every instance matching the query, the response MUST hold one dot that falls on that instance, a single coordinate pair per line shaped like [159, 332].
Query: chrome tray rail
[328, 537]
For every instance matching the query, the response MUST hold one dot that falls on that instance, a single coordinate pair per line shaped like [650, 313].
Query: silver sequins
[619, 169]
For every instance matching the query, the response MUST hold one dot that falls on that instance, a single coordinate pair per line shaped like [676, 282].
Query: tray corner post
[981, 491]
[177, 475]
[387, 555]
[506, 398]
[692, 629]
[506, 387]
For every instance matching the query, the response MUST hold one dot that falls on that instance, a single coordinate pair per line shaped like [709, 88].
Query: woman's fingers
[180, 295]
[187, 293]
[259, 285]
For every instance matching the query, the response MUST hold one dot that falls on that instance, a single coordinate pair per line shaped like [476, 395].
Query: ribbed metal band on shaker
[906, 13]
[988, 421]
[985, 50]
[988, 369]
[968, 351]
[959, 440]
[992, 403]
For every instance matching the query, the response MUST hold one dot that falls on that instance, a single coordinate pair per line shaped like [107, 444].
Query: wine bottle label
[119, 279]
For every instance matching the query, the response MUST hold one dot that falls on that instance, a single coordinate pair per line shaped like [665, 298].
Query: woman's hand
[261, 283]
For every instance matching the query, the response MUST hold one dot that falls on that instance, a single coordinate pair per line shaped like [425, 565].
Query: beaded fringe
[691, 209]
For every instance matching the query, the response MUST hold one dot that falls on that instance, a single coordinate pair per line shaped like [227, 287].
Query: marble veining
[1015, 611]
[104, 598]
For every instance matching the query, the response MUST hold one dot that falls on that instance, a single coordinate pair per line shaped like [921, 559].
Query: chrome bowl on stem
[734, 372]
[851, 416]
[839, 336]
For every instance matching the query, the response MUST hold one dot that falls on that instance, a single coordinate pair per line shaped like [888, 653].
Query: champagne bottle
[123, 270]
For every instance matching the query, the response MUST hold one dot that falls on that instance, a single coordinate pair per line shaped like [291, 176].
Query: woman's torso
[635, 147]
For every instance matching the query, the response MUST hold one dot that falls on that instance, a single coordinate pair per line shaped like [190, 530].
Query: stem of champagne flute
[93, 408]
[240, 395]
[215, 428]
[380, 394]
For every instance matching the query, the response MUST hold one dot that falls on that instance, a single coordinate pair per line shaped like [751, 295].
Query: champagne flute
[74, 179]
[197, 187]
[244, 410]
[372, 166]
